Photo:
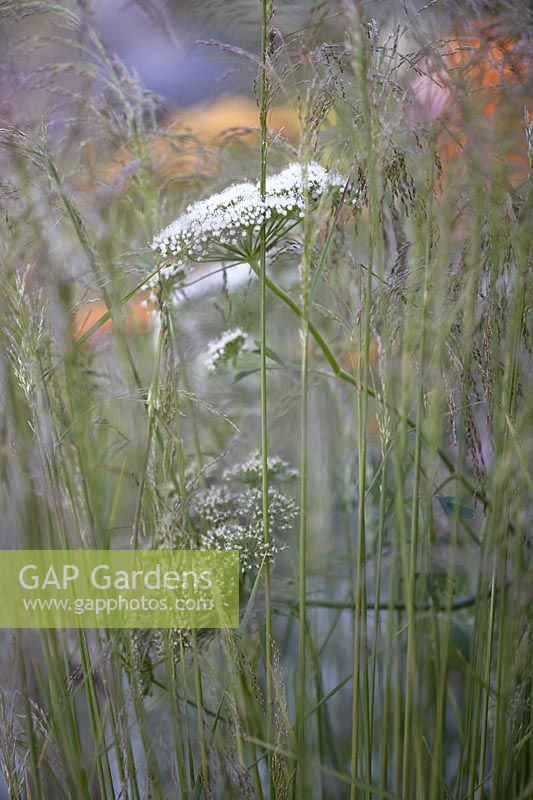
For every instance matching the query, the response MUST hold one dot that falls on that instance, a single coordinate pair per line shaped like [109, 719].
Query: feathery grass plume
[25, 309]
[13, 753]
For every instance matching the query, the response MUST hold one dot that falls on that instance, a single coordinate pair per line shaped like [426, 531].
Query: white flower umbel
[226, 226]
[229, 519]
[250, 472]
[225, 350]
[248, 542]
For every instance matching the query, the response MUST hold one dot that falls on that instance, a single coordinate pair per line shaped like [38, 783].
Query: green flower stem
[263, 110]
[361, 717]
[30, 731]
[103, 768]
[204, 770]
[302, 558]
[302, 539]
[383, 605]
[411, 729]
[152, 405]
[175, 714]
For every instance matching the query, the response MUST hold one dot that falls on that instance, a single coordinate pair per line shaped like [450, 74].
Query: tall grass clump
[315, 351]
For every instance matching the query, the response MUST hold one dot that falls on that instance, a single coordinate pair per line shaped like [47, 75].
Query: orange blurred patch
[491, 64]
[137, 316]
[496, 78]
[209, 120]
[186, 149]
[86, 317]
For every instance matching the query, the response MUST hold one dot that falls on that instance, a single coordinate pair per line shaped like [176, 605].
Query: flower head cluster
[252, 548]
[230, 517]
[250, 472]
[238, 524]
[225, 350]
[226, 226]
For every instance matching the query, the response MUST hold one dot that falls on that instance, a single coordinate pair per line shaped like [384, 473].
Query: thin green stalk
[93, 258]
[325, 730]
[120, 705]
[443, 634]
[377, 591]
[360, 666]
[479, 655]
[411, 712]
[442, 647]
[388, 605]
[305, 269]
[186, 702]
[507, 412]
[361, 745]
[147, 741]
[153, 405]
[103, 770]
[388, 708]
[189, 403]
[175, 714]
[486, 683]
[302, 562]
[34, 755]
[64, 719]
[264, 100]
[204, 759]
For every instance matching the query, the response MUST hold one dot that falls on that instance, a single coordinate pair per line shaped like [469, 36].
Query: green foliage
[385, 648]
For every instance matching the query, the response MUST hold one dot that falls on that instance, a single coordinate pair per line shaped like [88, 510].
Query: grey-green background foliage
[400, 658]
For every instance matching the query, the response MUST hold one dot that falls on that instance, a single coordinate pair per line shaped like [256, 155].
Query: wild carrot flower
[228, 515]
[250, 472]
[248, 541]
[225, 350]
[233, 520]
[226, 226]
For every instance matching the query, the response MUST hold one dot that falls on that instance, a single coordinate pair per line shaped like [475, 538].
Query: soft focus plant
[385, 645]
[227, 226]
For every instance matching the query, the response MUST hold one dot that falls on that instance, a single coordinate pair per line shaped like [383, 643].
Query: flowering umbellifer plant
[226, 226]
[225, 350]
[228, 515]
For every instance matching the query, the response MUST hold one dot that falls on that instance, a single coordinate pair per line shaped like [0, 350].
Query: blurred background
[114, 117]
